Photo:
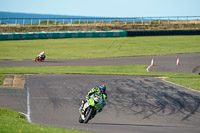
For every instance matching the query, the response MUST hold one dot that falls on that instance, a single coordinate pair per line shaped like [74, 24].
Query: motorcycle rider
[42, 54]
[99, 90]
[41, 57]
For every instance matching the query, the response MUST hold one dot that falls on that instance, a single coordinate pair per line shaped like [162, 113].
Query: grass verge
[99, 47]
[2, 77]
[14, 122]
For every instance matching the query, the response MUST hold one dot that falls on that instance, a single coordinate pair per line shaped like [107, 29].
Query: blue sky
[105, 8]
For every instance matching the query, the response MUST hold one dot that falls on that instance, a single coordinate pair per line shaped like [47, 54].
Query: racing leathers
[42, 55]
[97, 92]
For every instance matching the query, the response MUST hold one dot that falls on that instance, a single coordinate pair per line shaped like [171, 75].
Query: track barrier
[90, 34]
[162, 32]
[63, 34]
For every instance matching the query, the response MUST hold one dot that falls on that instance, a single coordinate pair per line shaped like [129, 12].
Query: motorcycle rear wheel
[42, 59]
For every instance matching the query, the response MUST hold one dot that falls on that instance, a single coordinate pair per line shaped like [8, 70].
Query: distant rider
[99, 90]
[42, 55]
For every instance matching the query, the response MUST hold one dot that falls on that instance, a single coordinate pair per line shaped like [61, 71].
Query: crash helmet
[102, 88]
[42, 53]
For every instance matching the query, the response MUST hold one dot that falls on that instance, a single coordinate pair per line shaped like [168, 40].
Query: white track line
[24, 114]
[28, 102]
[148, 68]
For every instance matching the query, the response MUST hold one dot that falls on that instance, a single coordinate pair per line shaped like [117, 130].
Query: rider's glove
[87, 97]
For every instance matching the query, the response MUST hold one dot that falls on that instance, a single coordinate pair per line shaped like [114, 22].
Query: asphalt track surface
[135, 104]
[189, 63]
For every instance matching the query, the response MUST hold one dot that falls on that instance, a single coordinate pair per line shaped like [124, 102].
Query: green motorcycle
[90, 107]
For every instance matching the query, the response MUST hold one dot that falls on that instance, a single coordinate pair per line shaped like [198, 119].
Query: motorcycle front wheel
[80, 119]
[88, 114]
[36, 59]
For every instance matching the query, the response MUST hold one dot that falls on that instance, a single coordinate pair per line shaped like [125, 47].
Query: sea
[28, 18]
[32, 15]
[12, 16]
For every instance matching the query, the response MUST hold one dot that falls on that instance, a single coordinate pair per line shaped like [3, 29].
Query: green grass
[125, 70]
[2, 77]
[14, 122]
[188, 80]
[99, 47]
[192, 82]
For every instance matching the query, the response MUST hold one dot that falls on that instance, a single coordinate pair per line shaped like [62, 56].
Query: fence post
[24, 21]
[125, 22]
[150, 20]
[79, 21]
[168, 20]
[133, 21]
[8, 21]
[87, 22]
[187, 20]
[142, 21]
[95, 21]
[63, 21]
[39, 21]
[196, 22]
[177, 20]
[56, 21]
[102, 22]
[16, 21]
[31, 21]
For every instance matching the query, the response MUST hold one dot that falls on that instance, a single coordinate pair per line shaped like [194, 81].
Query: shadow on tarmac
[135, 125]
[147, 100]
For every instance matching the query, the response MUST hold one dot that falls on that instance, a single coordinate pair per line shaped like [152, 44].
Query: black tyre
[42, 59]
[80, 119]
[88, 115]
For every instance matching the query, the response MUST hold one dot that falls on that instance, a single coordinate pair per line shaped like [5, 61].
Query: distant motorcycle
[40, 58]
[91, 106]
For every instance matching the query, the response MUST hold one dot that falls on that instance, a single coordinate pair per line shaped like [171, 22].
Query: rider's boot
[81, 108]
